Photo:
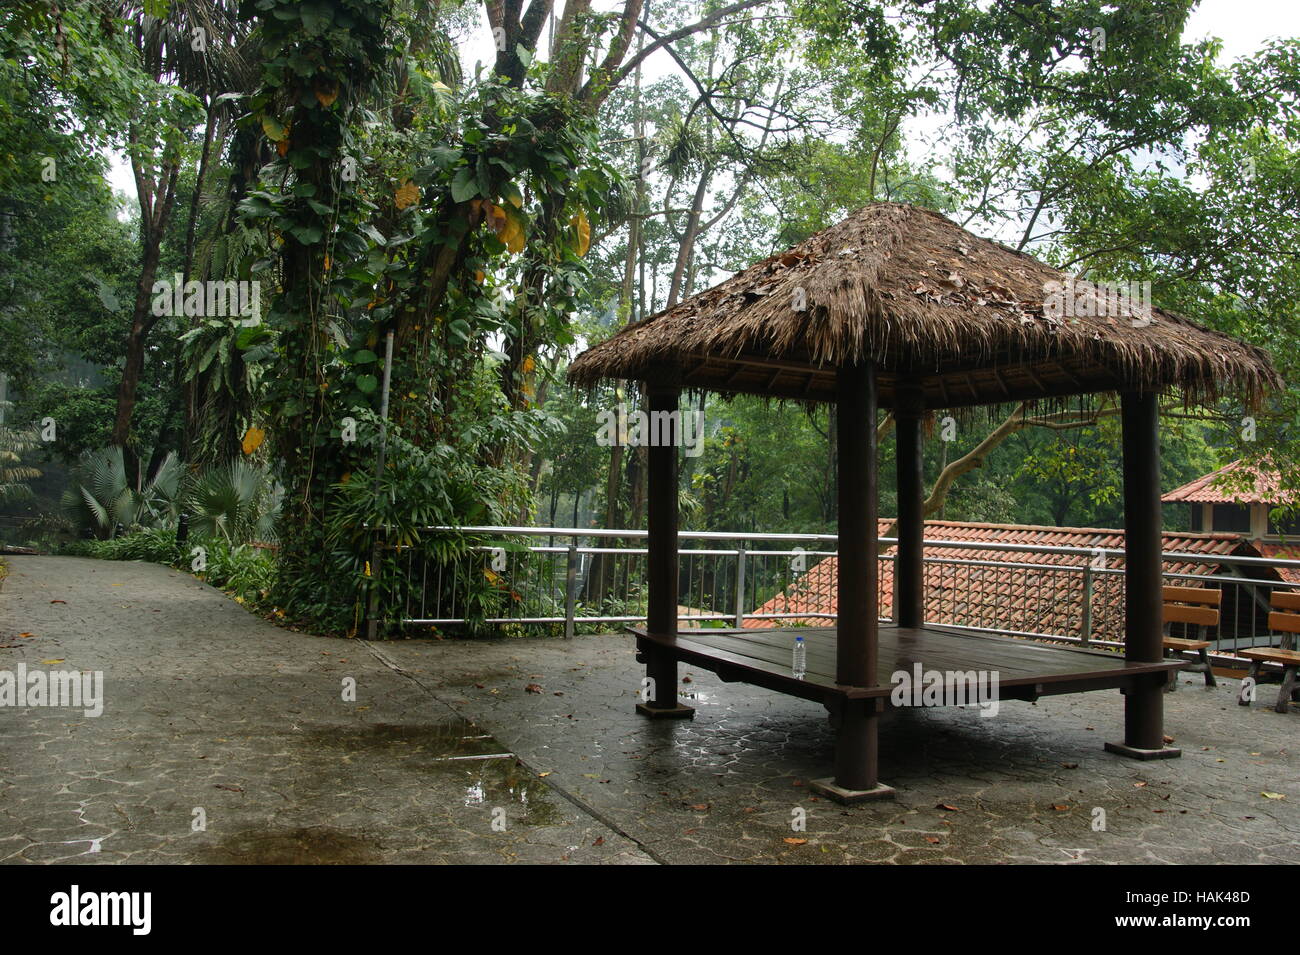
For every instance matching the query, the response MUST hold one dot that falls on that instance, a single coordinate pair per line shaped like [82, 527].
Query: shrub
[245, 572]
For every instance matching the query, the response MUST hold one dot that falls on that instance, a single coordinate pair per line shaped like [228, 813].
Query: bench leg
[1252, 680]
[1288, 687]
[1172, 685]
[1209, 671]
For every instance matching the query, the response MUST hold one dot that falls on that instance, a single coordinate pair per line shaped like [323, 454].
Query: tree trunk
[141, 323]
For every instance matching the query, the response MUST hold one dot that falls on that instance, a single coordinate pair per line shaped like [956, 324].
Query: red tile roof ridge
[1071, 531]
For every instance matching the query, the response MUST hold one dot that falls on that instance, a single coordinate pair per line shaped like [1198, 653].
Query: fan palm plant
[101, 497]
[235, 502]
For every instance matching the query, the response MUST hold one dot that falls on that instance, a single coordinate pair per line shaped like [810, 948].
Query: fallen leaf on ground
[48, 662]
[600, 841]
[58, 601]
[233, 789]
[792, 841]
[533, 688]
[1273, 795]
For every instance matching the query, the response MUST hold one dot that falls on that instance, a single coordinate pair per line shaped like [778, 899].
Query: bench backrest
[1286, 617]
[1194, 605]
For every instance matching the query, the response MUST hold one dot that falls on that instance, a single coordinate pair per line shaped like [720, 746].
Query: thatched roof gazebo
[898, 307]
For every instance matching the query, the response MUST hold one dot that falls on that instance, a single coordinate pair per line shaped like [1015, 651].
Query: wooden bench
[1286, 621]
[1195, 607]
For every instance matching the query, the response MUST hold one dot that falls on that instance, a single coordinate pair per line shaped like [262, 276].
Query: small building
[1240, 500]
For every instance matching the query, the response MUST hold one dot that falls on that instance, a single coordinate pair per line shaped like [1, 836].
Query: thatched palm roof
[971, 319]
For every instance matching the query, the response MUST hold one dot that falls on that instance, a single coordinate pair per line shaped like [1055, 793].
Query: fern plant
[14, 474]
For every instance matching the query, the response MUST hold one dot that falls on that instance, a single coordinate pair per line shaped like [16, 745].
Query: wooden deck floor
[1025, 670]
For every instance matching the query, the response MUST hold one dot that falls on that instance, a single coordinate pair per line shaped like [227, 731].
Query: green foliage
[102, 499]
[15, 474]
[156, 545]
[246, 573]
[235, 502]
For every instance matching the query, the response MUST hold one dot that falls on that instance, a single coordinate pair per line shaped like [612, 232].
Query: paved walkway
[209, 707]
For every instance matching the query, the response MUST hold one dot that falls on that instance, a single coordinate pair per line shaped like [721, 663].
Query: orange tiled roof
[1035, 598]
[1282, 552]
[1206, 489]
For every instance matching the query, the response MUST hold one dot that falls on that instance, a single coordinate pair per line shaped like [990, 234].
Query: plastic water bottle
[800, 665]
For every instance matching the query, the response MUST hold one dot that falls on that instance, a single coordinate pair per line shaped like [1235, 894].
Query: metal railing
[586, 578]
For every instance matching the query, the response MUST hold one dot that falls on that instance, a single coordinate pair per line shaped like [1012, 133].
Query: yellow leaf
[583, 227]
[253, 439]
[327, 94]
[59, 660]
[327, 263]
[367, 568]
[408, 195]
[274, 131]
[1265, 795]
[513, 231]
[496, 217]
[529, 365]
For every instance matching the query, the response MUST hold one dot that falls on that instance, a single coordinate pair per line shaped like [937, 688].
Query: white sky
[1243, 25]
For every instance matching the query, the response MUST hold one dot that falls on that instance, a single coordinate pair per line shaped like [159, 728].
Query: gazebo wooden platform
[897, 307]
[1025, 670]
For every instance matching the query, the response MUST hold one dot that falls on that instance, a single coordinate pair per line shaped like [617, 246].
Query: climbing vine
[458, 227]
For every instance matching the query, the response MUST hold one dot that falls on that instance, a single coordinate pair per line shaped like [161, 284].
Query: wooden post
[1143, 600]
[855, 721]
[858, 570]
[909, 565]
[664, 427]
